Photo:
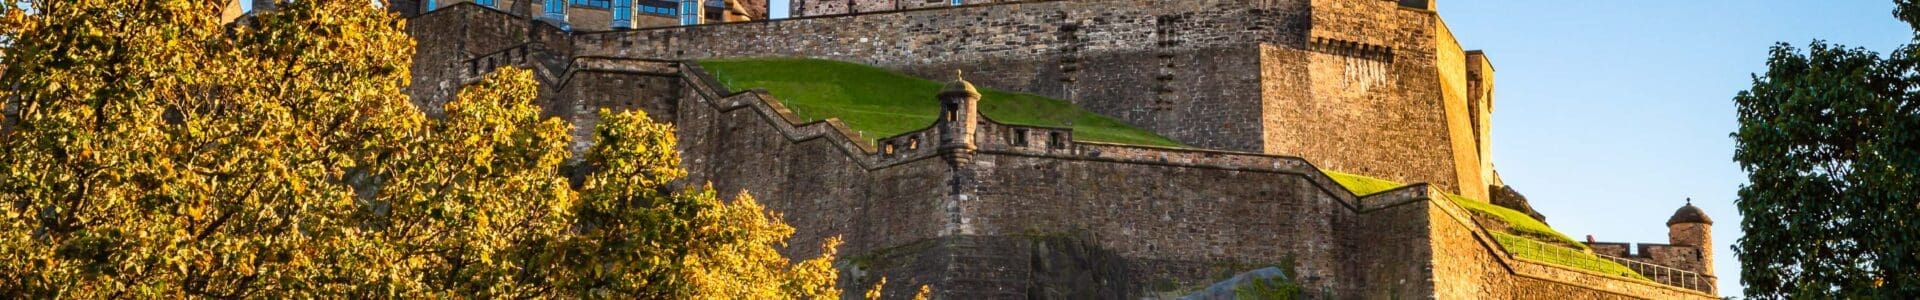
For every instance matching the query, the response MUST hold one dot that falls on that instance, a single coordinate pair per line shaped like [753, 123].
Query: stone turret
[959, 114]
[1690, 227]
[959, 119]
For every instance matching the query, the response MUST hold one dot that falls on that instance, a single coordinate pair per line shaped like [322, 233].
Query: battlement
[1676, 265]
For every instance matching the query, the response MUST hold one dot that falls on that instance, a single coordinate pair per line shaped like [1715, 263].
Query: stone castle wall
[1152, 220]
[1158, 214]
[814, 8]
[1168, 74]
[1067, 220]
[1216, 74]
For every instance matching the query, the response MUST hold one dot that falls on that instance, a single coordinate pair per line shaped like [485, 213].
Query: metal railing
[1554, 254]
[1666, 275]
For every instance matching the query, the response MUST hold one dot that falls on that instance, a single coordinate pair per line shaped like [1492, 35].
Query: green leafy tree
[148, 151]
[1830, 139]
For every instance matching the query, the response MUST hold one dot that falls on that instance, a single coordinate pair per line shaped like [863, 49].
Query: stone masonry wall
[1163, 218]
[1140, 220]
[1175, 216]
[1161, 215]
[1195, 71]
[814, 8]
[1182, 68]
[1363, 95]
[1468, 264]
[1480, 112]
[1451, 63]
[445, 39]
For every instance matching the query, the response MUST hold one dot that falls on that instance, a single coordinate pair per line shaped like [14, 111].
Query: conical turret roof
[959, 87]
[1689, 214]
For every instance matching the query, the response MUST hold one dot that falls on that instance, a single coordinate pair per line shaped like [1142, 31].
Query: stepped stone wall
[1352, 85]
[1215, 74]
[1147, 70]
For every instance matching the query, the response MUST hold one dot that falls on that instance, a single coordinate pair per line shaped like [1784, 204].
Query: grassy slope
[880, 103]
[1526, 227]
[1361, 185]
[1548, 253]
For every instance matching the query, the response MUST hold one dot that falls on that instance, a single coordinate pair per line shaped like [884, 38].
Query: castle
[1269, 94]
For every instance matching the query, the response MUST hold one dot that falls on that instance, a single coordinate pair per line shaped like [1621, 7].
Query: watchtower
[1690, 227]
[959, 114]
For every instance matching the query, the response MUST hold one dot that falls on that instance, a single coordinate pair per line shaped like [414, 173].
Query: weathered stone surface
[1366, 86]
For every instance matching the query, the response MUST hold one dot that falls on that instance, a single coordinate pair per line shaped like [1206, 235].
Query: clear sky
[1608, 114]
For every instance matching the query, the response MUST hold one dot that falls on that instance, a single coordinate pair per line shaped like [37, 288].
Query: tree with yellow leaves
[147, 150]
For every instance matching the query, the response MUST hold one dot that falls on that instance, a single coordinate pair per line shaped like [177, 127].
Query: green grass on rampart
[1516, 220]
[1525, 228]
[1554, 254]
[1361, 185]
[879, 103]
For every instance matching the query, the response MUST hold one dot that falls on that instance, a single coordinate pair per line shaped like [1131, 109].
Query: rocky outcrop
[1505, 196]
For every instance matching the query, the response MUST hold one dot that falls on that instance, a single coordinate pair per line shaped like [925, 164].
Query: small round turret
[959, 110]
[1690, 226]
[959, 87]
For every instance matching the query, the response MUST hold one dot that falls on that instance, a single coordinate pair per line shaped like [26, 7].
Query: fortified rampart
[1257, 76]
[1019, 211]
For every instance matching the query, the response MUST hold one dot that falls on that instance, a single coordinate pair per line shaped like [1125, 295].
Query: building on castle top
[1686, 258]
[583, 14]
[806, 8]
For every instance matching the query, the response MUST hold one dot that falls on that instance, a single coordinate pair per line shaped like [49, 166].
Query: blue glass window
[557, 10]
[488, 3]
[428, 6]
[622, 14]
[592, 3]
[956, 2]
[690, 12]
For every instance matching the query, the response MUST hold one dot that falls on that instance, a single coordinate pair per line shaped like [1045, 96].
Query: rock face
[1505, 196]
[968, 205]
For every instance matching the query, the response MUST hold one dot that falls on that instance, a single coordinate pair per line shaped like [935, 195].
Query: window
[690, 12]
[1053, 140]
[952, 110]
[622, 14]
[913, 143]
[1018, 138]
[956, 2]
[592, 3]
[557, 10]
[656, 10]
[888, 150]
[429, 5]
[488, 3]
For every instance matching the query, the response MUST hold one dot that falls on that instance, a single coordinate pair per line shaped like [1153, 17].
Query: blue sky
[1609, 114]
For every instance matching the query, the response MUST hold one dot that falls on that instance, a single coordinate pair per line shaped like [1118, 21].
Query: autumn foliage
[147, 150]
